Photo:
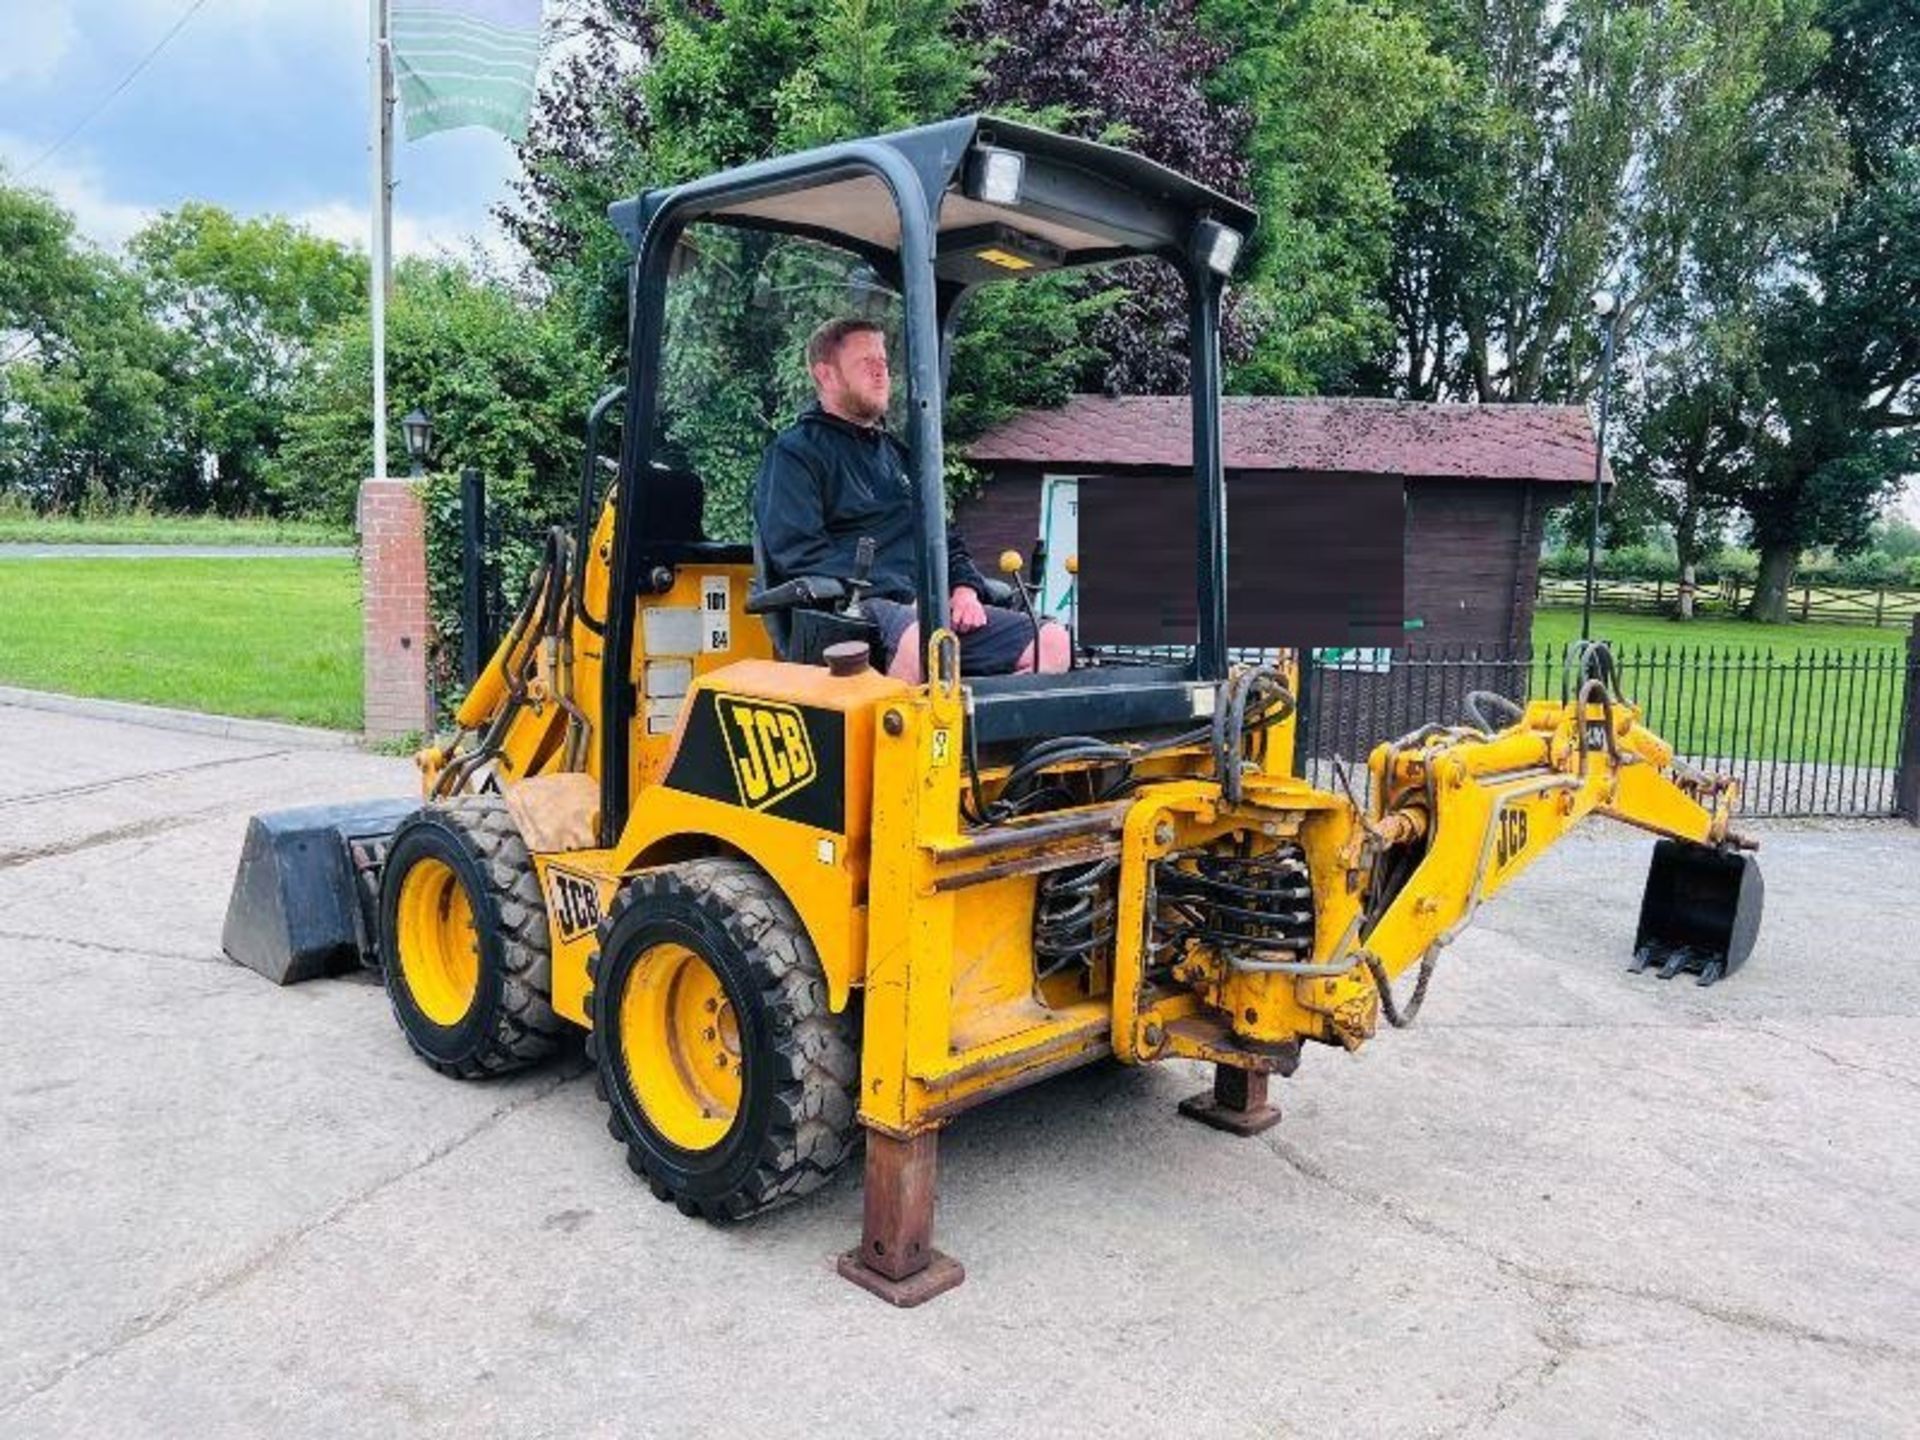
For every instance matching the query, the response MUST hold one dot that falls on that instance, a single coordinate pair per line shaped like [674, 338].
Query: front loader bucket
[1700, 913]
[303, 898]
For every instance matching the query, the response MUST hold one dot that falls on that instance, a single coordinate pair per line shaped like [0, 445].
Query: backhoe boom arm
[1485, 807]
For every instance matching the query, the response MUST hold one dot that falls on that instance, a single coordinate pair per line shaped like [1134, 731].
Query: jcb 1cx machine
[789, 901]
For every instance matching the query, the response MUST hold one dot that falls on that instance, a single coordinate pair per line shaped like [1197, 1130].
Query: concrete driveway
[1568, 1203]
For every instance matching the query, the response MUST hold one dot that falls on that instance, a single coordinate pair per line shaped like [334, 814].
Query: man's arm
[790, 514]
[960, 567]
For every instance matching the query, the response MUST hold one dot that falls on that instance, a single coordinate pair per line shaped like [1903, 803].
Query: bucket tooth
[1711, 972]
[1642, 957]
[1680, 959]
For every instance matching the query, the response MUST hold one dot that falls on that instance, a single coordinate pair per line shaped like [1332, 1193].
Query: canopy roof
[1083, 202]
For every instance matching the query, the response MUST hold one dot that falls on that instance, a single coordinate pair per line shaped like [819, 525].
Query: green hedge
[1874, 569]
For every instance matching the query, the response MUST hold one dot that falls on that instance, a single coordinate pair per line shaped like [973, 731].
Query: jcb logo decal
[1513, 836]
[574, 902]
[768, 745]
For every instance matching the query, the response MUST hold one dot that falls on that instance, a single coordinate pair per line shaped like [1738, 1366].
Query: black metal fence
[1806, 732]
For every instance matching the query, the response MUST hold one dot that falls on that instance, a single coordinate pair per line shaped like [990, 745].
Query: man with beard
[836, 475]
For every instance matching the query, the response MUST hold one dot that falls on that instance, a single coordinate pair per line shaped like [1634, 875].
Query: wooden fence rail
[1835, 604]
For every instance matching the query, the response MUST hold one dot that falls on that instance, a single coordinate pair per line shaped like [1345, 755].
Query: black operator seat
[779, 623]
[676, 506]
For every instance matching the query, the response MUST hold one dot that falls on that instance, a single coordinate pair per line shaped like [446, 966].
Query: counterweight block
[1700, 913]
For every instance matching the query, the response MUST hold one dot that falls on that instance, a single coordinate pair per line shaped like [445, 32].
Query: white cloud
[445, 236]
[38, 39]
[79, 188]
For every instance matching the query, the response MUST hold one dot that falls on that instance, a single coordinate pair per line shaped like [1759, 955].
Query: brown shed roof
[1375, 437]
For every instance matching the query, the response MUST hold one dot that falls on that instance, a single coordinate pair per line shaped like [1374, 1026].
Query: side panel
[579, 886]
[775, 761]
[696, 628]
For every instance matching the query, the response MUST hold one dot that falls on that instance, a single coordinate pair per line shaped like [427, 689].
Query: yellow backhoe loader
[793, 903]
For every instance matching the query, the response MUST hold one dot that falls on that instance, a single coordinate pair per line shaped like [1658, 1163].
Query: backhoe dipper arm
[1459, 813]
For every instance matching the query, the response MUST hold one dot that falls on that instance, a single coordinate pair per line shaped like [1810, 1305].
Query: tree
[44, 273]
[1644, 145]
[1681, 443]
[667, 90]
[505, 381]
[1835, 391]
[83, 370]
[1815, 356]
[248, 297]
[1332, 88]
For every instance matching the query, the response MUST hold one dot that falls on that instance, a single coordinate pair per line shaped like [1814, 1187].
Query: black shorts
[993, 649]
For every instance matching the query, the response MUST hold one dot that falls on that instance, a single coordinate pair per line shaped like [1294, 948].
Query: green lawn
[1555, 628]
[1724, 688]
[272, 638]
[18, 525]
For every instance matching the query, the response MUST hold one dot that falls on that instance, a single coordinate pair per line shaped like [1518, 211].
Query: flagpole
[381, 268]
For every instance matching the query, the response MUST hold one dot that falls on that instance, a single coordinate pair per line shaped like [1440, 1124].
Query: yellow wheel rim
[680, 1042]
[439, 946]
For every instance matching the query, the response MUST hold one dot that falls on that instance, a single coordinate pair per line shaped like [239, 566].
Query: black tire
[798, 1066]
[508, 1025]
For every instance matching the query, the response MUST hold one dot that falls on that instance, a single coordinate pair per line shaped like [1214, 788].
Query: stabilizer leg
[1237, 1103]
[896, 1259]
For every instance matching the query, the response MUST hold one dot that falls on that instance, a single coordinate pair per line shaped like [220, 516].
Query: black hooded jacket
[823, 484]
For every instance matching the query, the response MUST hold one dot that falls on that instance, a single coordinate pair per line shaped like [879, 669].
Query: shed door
[1060, 533]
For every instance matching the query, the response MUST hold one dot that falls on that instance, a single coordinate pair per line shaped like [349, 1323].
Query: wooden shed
[1470, 484]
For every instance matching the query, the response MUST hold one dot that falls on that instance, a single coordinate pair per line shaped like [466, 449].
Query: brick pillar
[393, 595]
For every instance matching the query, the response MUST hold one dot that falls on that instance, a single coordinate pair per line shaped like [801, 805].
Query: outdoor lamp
[418, 428]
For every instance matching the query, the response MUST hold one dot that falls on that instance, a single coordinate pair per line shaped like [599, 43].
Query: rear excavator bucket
[1700, 913]
[303, 898]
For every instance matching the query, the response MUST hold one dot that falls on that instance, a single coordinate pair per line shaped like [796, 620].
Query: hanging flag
[466, 62]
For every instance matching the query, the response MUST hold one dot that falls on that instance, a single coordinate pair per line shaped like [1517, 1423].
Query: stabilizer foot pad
[941, 1273]
[1207, 1109]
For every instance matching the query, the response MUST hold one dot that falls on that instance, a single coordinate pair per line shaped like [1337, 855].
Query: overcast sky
[262, 106]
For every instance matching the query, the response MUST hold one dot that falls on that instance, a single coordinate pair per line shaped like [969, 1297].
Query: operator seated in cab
[836, 475]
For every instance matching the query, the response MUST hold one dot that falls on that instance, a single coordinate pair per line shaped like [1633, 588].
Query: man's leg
[1056, 650]
[1003, 646]
[905, 664]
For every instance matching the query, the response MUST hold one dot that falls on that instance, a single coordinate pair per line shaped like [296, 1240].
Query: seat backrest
[779, 622]
[676, 506]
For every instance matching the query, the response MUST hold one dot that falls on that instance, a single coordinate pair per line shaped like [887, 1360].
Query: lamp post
[418, 428]
[1608, 309]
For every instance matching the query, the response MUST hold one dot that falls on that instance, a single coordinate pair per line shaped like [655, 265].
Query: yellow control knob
[1009, 562]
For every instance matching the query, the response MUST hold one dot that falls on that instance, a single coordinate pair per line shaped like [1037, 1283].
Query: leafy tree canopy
[84, 370]
[247, 298]
[506, 383]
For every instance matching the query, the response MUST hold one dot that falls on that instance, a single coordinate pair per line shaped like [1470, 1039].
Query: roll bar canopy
[935, 210]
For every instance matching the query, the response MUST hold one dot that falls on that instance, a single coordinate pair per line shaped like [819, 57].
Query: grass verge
[276, 639]
[18, 526]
